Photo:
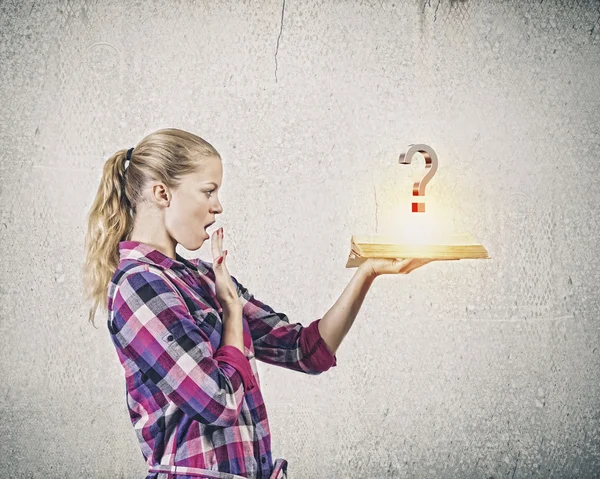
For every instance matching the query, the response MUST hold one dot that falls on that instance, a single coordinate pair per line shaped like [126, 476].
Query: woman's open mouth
[206, 228]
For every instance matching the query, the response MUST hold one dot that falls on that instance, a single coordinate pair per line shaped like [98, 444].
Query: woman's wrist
[365, 269]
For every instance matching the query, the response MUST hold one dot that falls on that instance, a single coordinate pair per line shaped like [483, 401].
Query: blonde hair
[167, 156]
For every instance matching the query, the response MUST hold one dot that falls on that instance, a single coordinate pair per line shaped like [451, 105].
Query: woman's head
[164, 195]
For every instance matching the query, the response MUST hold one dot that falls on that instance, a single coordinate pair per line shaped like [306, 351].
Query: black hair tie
[123, 195]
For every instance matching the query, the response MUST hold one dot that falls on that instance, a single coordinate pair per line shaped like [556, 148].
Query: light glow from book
[415, 228]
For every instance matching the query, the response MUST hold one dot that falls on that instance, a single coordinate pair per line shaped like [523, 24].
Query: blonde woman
[186, 332]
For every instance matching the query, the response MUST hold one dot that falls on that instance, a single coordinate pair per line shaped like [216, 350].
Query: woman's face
[194, 205]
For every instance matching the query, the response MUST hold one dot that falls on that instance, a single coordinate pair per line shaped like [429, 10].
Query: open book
[441, 246]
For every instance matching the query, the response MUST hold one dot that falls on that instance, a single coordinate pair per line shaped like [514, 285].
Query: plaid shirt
[196, 406]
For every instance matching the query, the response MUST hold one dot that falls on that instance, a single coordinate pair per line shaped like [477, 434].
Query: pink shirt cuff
[234, 357]
[317, 355]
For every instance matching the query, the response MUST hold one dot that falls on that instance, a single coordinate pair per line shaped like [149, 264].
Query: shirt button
[263, 459]
[170, 337]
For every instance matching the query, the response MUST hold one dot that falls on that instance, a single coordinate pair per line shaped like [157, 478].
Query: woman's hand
[225, 288]
[376, 266]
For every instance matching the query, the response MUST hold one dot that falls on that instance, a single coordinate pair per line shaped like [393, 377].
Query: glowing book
[445, 246]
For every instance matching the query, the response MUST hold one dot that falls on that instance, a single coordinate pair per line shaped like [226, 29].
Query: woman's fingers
[403, 267]
[216, 245]
[417, 263]
[406, 265]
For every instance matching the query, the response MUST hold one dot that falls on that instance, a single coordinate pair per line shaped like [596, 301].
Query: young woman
[187, 333]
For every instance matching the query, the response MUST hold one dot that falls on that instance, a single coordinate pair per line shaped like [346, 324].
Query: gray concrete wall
[467, 369]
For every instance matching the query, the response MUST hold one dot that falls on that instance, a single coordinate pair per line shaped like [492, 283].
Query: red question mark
[431, 164]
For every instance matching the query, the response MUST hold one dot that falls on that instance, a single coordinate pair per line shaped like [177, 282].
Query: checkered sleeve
[155, 331]
[276, 341]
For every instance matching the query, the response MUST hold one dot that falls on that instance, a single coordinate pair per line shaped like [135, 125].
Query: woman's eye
[210, 192]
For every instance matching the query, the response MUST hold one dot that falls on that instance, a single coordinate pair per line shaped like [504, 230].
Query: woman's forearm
[233, 329]
[336, 323]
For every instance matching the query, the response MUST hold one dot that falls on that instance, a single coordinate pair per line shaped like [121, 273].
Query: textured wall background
[468, 369]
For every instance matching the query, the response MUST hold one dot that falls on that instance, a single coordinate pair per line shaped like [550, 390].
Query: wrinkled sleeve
[276, 341]
[154, 330]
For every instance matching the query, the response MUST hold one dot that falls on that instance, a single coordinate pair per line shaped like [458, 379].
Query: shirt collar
[143, 252]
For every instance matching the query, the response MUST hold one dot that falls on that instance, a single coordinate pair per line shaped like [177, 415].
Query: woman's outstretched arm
[336, 323]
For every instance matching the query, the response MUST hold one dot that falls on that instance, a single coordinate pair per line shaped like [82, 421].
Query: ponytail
[109, 221]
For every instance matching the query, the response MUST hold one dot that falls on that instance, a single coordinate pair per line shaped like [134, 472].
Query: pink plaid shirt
[196, 406]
